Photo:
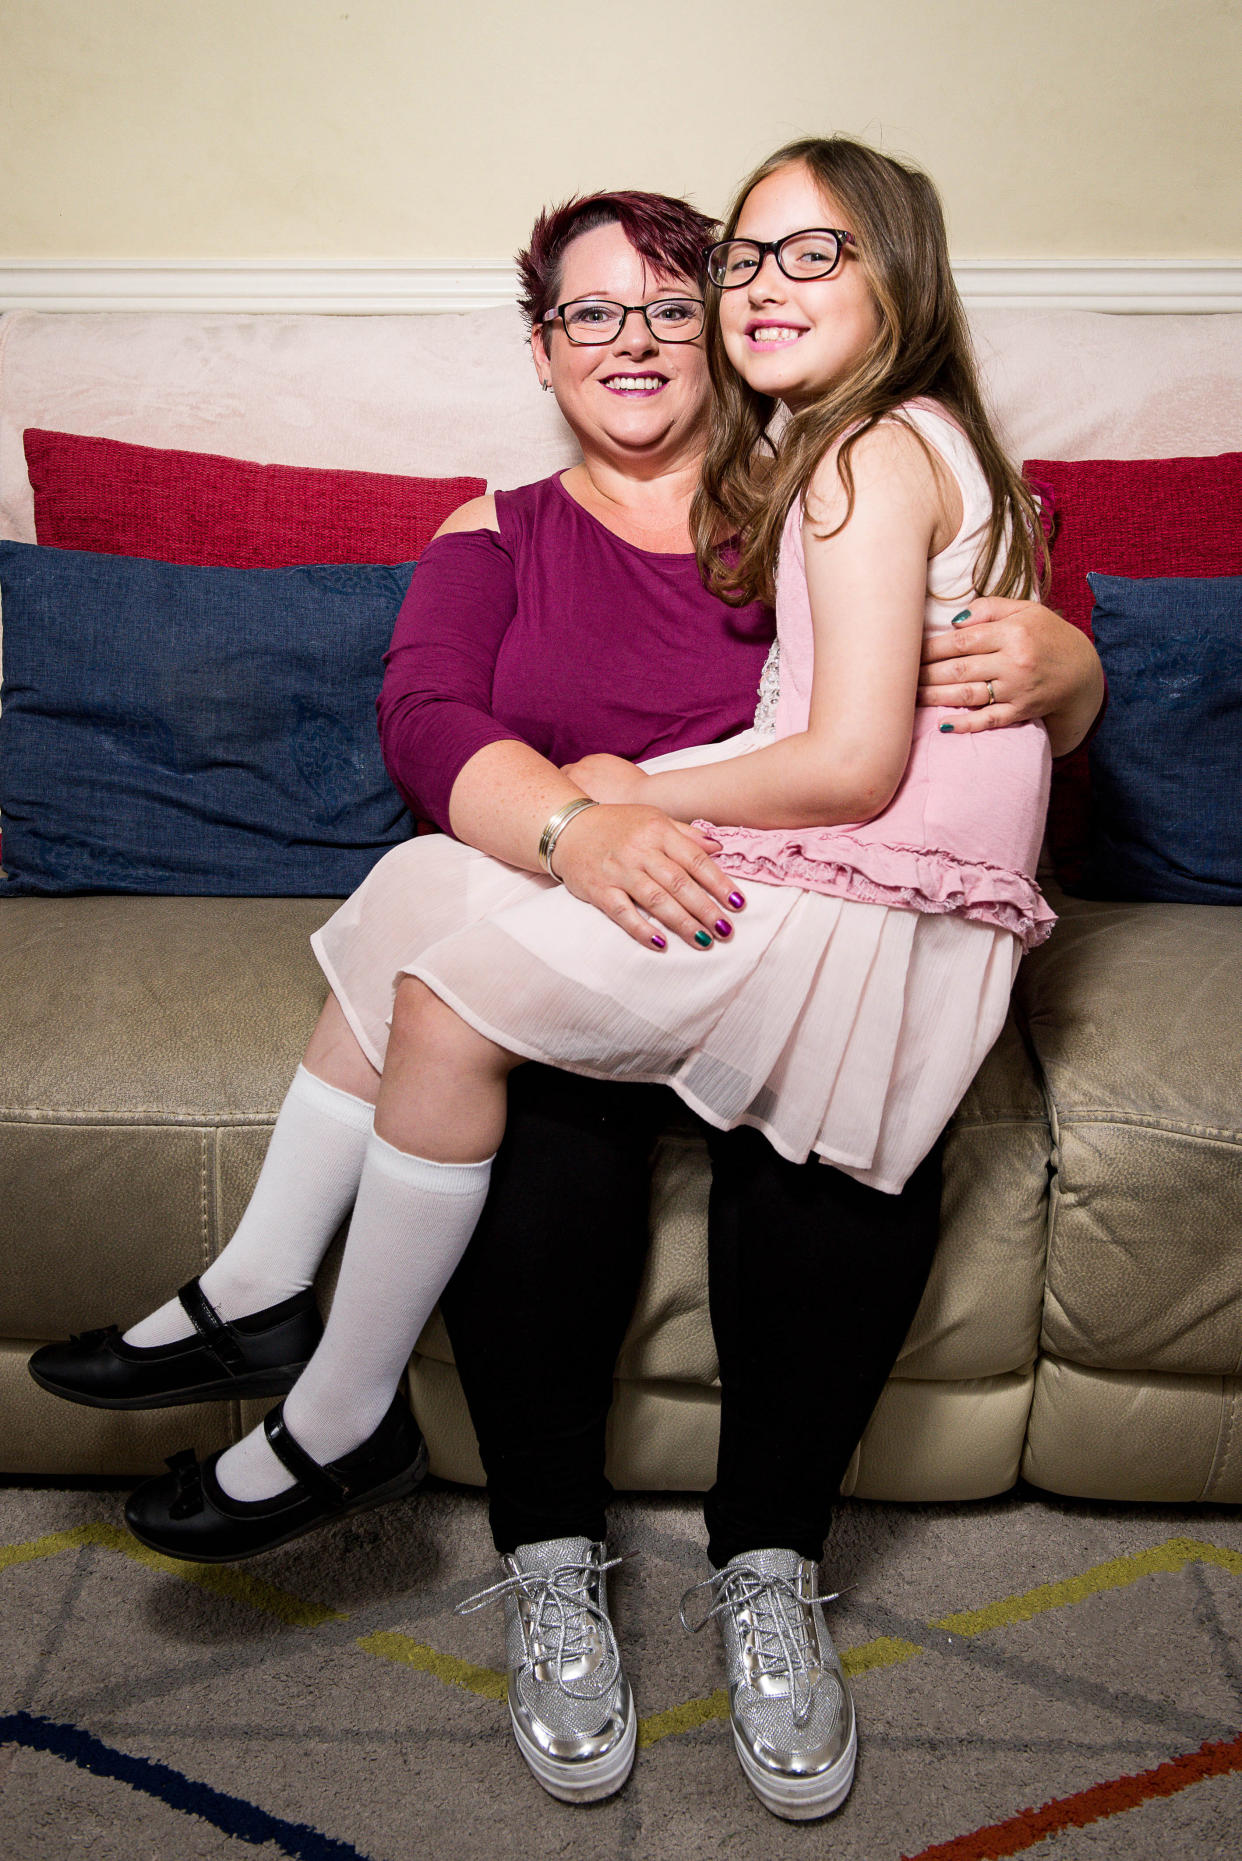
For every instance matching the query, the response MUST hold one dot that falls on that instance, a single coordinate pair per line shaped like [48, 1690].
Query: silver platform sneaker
[792, 1715]
[572, 1710]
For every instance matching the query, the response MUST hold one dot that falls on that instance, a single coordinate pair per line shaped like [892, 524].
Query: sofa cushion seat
[1128, 1009]
[143, 1039]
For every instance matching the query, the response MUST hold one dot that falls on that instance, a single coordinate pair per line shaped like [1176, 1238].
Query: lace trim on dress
[769, 692]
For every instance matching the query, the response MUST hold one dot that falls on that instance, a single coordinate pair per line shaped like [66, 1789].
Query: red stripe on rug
[1075, 1812]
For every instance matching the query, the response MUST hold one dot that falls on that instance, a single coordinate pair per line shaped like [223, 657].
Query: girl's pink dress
[865, 981]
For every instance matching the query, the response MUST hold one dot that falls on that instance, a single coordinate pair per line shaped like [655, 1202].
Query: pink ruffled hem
[909, 878]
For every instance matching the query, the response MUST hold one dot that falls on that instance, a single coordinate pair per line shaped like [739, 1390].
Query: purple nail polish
[723, 927]
[658, 942]
[735, 901]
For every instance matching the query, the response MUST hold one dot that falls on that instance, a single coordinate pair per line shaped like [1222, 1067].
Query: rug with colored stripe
[1033, 1677]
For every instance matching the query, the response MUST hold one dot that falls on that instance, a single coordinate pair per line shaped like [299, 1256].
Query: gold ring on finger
[990, 690]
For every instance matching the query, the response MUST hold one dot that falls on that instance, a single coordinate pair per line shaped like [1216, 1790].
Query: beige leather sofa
[1083, 1326]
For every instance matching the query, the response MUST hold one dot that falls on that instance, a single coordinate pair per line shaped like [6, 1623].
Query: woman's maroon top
[555, 633]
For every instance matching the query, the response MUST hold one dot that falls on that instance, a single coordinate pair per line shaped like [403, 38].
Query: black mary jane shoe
[261, 1355]
[186, 1512]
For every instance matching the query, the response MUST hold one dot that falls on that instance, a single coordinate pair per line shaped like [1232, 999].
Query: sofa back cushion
[1165, 820]
[436, 396]
[200, 508]
[1128, 517]
[193, 730]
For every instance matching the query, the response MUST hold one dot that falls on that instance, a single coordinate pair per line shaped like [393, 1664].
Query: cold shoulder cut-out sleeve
[552, 631]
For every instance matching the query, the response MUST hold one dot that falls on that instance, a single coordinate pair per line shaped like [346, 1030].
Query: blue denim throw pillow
[1166, 787]
[193, 730]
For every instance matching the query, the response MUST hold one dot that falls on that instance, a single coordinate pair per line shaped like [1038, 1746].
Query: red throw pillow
[1131, 517]
[201, 510]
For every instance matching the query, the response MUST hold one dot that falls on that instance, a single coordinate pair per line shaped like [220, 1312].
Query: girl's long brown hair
[922, 348]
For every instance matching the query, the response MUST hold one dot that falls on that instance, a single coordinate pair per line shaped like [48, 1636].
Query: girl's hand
[607, 778]
[1037, 664]
[636, 864]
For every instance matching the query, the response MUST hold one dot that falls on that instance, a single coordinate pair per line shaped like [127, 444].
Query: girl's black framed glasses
[594, 321]
[815, 253]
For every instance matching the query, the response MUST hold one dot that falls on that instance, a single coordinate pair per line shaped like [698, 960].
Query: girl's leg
[308, 1181]
[439, 1117]
[539, 1306]
[814, 1281]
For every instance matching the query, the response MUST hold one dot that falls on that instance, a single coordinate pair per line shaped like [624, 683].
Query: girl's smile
[765, 335]
[791, 338]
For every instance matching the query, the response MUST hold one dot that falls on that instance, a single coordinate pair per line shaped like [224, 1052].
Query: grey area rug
[1025, 1655]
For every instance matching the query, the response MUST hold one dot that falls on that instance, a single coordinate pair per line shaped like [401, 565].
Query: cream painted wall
[401, 129]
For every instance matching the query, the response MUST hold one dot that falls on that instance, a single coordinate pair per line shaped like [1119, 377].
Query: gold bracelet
[556, 826]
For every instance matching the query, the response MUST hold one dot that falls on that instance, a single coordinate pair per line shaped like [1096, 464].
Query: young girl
[892, 860]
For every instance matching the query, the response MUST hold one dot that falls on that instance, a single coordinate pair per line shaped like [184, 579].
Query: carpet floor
[1032, 1675]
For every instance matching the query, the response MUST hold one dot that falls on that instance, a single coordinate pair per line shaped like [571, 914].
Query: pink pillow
[1130, 517]
[199, 509]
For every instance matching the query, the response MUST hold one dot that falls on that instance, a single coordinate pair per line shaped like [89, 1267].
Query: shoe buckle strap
[216, 1333]
[326, 1485]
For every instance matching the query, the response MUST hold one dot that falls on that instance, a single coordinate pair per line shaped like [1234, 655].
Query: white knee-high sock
[411, 1225]
[309, 1178]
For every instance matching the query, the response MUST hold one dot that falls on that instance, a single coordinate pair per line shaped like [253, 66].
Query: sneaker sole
[594, 1778]
[801, 1799]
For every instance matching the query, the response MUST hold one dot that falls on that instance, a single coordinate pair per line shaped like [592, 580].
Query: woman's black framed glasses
[815, 253]
[594, 321]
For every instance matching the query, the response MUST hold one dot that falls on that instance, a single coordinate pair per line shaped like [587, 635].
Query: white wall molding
[362, 288]
[1185, 285]
[343, 286]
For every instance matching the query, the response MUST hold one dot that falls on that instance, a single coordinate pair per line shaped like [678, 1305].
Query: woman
[543, 625]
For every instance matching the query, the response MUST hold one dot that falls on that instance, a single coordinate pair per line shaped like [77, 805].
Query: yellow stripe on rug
[420, 1654]
[220, 1579]
[1115, 1574]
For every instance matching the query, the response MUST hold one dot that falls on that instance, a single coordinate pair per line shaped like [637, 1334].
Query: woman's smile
[633, 386]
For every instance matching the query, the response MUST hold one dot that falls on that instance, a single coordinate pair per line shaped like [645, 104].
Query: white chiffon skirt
[840, 1029]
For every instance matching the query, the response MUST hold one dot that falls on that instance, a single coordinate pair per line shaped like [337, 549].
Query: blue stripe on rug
[231, 1814]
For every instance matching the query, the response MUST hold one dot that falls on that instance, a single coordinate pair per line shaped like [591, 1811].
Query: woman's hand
[607, 778]
[1038, 666]
[636, 864]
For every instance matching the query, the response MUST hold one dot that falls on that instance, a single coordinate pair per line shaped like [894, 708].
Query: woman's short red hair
[669, 235]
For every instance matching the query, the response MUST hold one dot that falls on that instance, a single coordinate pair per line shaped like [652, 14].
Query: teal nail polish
[703, 939]
[945, 727]
[959, 618]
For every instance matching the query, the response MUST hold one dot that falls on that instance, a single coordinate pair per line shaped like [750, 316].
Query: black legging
[814, 1280]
